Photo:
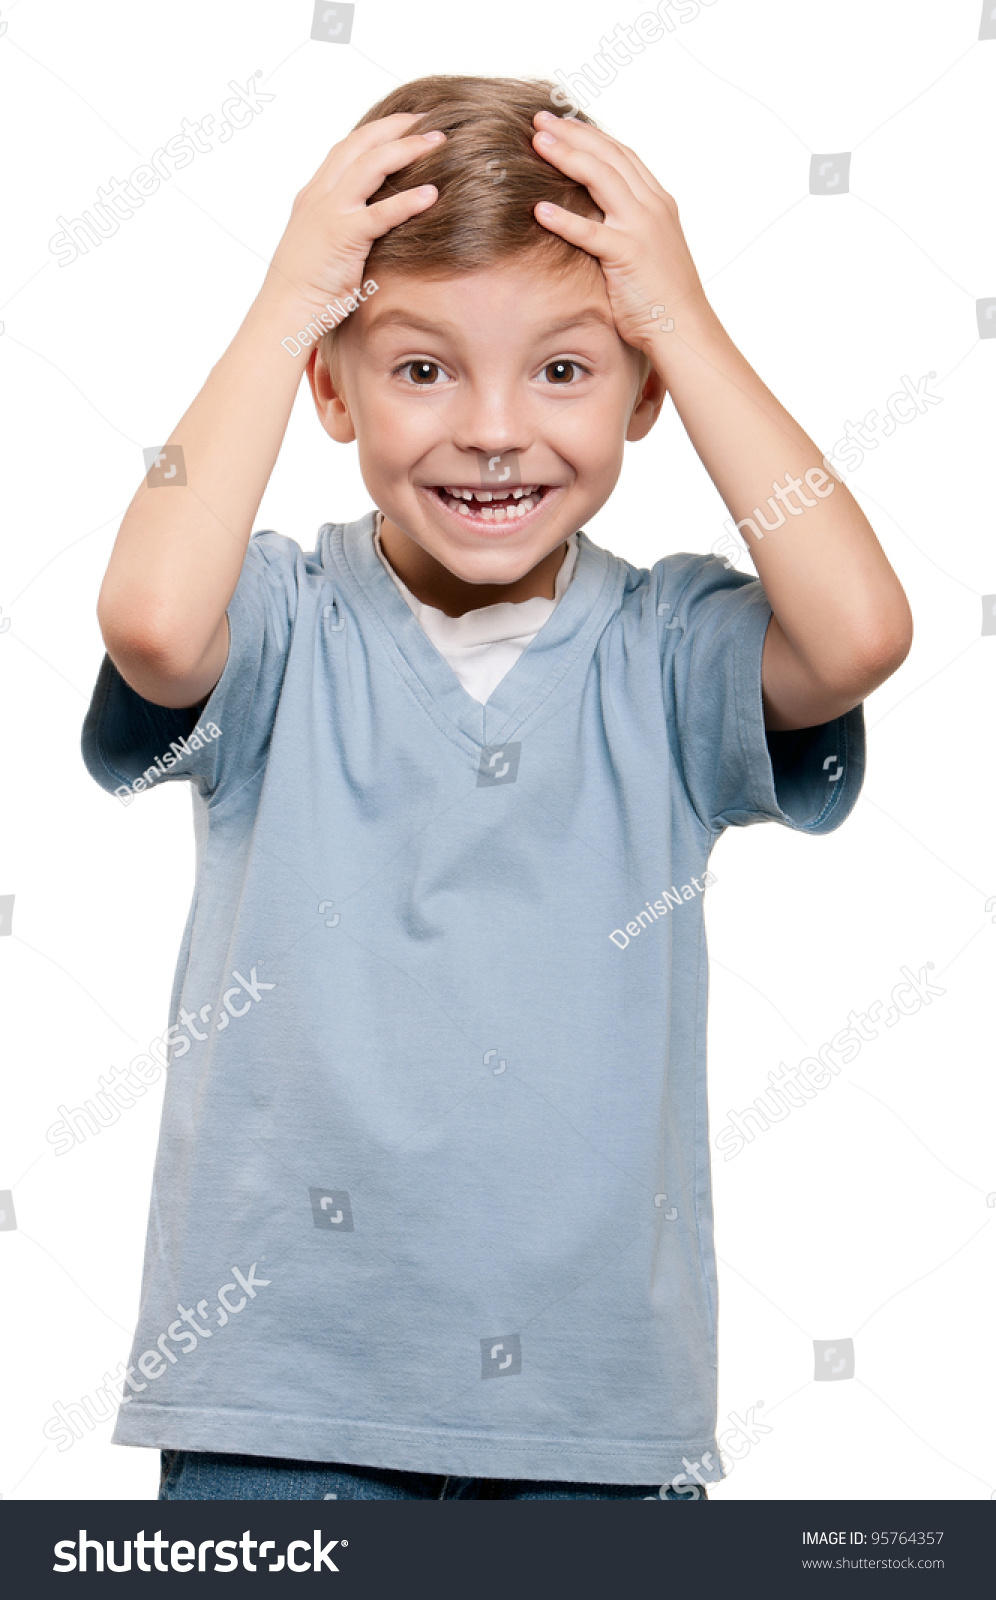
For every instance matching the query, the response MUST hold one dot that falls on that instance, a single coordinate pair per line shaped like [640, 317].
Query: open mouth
[495, 506]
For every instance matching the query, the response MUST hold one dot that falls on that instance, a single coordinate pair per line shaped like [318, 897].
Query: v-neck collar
[347, 550]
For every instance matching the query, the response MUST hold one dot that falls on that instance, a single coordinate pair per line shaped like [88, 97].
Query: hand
[325, 245]
[642, 251]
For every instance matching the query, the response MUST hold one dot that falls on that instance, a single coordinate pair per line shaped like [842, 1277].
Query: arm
[179, 551]
[841, 623]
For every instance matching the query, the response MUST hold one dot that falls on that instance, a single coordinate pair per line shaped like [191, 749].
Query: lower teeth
[505, 511]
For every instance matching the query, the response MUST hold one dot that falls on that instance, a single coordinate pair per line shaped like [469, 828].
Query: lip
[492, 530]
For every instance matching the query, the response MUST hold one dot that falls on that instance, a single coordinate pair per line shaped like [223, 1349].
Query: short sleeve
[129, 744]
[713, 622]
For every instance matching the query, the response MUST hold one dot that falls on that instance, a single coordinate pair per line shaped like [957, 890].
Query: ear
[653, 392]
[330, 403]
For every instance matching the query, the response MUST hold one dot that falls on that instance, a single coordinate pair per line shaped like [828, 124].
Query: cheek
[598, 411]
[589, 437]
[402, 427]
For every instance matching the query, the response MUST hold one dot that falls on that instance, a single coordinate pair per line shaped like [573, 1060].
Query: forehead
[519, 300]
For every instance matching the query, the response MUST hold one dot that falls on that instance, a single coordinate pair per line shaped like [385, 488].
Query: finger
[379, 218]
[642, 183]
[582, 136]
[381, 131]
[609, 188]
[644, 171]
[366, 174]
[377, 160]
[350, 188]
[584, 133]
[594, 237]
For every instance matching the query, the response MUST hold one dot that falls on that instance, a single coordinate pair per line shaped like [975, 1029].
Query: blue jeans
[202, 1475]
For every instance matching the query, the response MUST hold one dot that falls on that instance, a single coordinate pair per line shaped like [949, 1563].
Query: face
[433, 374]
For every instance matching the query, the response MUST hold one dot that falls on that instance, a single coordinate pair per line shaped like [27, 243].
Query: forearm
[834, 596]
[179, 550]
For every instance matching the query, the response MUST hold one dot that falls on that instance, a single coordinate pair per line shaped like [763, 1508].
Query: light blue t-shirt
[438, 1023]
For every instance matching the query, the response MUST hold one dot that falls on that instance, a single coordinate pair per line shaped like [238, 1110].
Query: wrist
[676, 315]
[695, 331]
[281, 301]
[277, 315]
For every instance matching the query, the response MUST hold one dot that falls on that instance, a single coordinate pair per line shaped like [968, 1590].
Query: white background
[862, 1215]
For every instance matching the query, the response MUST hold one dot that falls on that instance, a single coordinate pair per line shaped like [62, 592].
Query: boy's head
[487, 336]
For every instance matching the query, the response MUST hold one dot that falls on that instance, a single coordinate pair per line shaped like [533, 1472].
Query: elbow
[872, 656]
[136, 635]
[148, 649]
[887, 645]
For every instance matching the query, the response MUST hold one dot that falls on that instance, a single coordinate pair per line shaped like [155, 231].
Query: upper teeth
[491, 494]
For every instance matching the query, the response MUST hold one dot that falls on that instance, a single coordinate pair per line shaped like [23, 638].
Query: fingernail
[436, 134]
[545, 139]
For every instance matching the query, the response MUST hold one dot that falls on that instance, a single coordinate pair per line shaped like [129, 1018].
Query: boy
[436, 1109]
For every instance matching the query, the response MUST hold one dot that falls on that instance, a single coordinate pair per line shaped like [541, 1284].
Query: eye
[561, 370]
[424, 373]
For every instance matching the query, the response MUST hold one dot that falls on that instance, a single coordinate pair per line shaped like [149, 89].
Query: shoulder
[277, 575]
[686, 577]
[675, 584]
[275, 552]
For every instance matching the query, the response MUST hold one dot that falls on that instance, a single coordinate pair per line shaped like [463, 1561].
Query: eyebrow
[405, 319]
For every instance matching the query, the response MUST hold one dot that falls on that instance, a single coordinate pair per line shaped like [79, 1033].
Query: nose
[491, 420]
